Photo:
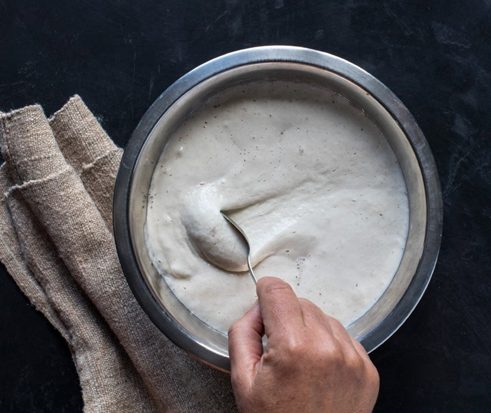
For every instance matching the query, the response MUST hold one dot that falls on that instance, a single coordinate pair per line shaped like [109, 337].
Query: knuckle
[311, 308]
[329, 354]
[293, 352]
[295, 348]
[360, 348]
[307, 303]
[336, 357]
[354, 362]
[279, 360]
[336, 323]
[373, 376]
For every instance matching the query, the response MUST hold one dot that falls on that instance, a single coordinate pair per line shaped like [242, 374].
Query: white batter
[311, 180]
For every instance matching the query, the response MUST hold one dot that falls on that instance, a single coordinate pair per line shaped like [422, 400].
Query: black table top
[435, 55]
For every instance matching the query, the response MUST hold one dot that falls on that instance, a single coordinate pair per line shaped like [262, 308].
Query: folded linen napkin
[56, 242]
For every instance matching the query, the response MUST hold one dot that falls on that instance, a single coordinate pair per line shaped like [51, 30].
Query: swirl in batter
[310, 179]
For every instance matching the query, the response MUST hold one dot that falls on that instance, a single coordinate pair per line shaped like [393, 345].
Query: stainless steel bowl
[276, 62]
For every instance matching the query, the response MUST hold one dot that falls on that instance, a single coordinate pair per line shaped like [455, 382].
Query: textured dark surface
[435, 55]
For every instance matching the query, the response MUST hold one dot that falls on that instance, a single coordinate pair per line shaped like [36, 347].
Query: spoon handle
[248, 244]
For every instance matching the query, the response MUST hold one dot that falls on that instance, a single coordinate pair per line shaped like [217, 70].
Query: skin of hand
[310, 363]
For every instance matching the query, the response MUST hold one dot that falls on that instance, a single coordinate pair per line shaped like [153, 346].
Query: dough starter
[310, 179]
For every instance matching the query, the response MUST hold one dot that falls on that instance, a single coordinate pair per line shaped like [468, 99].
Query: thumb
[245, 346]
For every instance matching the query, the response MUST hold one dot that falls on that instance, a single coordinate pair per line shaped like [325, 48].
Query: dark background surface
[435, 55]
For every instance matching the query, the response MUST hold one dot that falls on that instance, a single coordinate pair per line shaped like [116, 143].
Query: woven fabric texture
[56, 242]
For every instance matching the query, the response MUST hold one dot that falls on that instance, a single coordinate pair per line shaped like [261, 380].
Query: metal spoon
[246, 240]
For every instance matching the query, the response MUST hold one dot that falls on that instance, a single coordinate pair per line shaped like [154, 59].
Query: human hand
[311, 364]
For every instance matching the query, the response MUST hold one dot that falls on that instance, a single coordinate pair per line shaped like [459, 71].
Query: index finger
[280, 308]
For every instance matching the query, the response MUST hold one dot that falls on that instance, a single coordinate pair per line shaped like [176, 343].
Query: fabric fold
[89, 150]
[80, 137]
[11, 256]
[64, 170]
[28, 145]
[101, 363]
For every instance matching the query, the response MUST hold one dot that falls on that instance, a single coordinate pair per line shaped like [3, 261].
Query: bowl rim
[288, 54]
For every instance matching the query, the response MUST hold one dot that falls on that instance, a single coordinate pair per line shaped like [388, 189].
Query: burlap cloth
[56, 241]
